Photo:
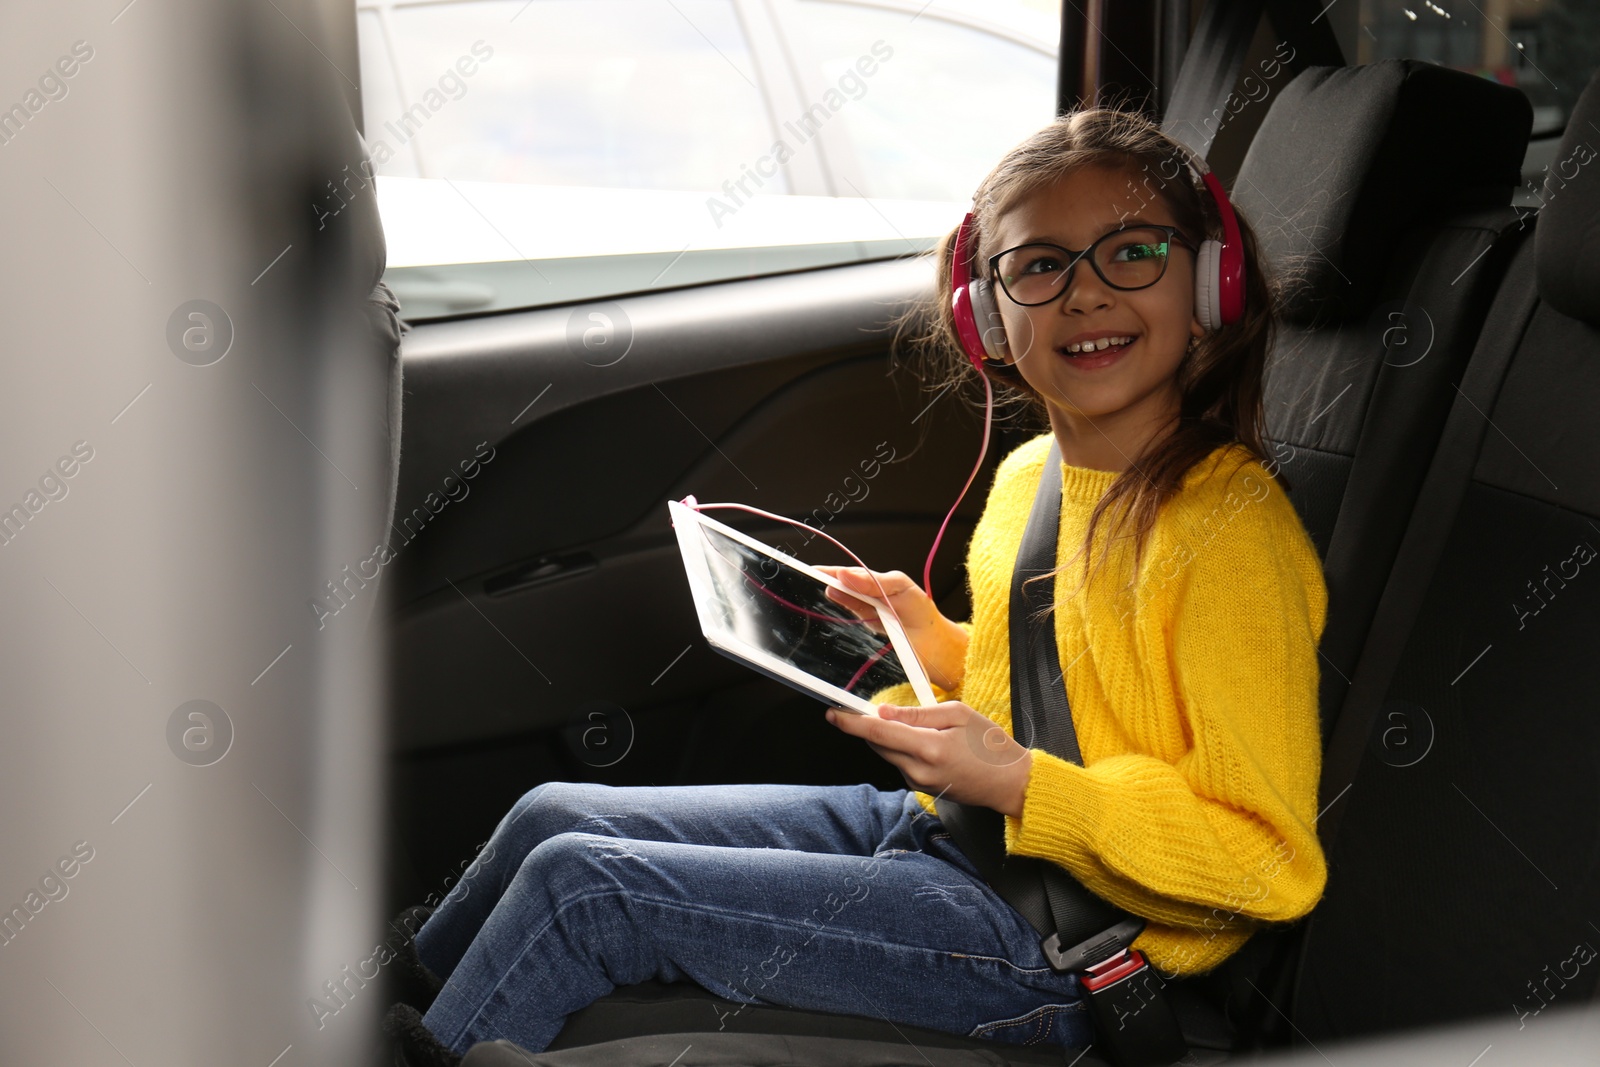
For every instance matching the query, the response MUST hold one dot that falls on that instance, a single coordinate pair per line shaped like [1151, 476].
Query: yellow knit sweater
[1194, 696]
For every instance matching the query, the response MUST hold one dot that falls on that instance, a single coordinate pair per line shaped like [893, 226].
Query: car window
[633, 94]
[914, 131]
[1547, 48]
[534, 152]
[380, 93]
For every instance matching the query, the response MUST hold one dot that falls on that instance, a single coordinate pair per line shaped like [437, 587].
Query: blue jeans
[846, 899]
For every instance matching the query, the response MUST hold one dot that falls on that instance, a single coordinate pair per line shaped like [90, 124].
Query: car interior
[1430, 400]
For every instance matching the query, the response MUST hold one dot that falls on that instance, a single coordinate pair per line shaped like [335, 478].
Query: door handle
[544, 569]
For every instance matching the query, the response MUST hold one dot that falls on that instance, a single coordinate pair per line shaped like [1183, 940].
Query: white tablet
[767, 610]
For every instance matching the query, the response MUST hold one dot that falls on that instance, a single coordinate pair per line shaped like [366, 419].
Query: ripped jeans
[846, 899]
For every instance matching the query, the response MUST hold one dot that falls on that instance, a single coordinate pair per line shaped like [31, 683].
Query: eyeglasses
[1131, 258]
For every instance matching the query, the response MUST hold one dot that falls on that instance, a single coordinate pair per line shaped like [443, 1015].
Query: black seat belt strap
[1040, 718]
[1210, 70]
[1080, 932]
[1214, 58]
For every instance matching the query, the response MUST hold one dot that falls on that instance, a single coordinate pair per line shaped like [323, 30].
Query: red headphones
[1218, 281]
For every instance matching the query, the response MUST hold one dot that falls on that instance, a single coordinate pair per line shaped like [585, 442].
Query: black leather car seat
[1465, 864]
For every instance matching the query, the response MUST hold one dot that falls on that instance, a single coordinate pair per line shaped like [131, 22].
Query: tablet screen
[785, 613]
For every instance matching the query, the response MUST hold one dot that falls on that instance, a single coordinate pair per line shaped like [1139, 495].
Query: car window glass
[930, 120]
[380, 92]
[626, 93]
[1547, 48]
[536, 152]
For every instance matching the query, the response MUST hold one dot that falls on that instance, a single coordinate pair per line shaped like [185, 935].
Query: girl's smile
[1096, 350]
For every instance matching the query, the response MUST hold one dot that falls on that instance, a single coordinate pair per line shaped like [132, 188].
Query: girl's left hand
[948, 749]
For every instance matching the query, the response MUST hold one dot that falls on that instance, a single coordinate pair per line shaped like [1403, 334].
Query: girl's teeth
[1100, 345]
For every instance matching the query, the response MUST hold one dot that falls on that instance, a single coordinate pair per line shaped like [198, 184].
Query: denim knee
[561, 803]
[546, 809]
[573, 868]
[570, 864]
[538, 795]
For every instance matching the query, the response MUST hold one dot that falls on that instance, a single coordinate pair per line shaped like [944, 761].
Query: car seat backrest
[1465, 868]
[1349, 158]
[1381, 197]
[1569, 252]
[1384, 211]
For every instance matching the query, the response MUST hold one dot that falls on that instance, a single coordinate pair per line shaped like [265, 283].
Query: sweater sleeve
[1228, 827]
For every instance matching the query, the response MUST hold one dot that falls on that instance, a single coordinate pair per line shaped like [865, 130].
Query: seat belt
[1213, 60]
[1210, 70]
[1080, 932]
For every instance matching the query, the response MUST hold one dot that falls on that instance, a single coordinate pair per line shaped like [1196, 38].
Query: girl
[1189, 654]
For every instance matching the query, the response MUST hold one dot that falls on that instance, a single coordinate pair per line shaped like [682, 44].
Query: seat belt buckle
[1085, 954]
[1132, 1017]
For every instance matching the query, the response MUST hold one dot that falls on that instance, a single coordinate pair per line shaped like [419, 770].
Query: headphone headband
[960, 274]
[1229, 286]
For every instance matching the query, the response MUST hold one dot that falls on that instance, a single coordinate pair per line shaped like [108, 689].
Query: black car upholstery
[1383, 192]
[1387, 188]
[1465, 874]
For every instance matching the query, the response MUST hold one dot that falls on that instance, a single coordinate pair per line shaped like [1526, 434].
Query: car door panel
[489, 379]
[522, 600]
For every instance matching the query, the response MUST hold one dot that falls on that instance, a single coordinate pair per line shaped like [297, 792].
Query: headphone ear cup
[966, 327]
[986, 314]
[1208, 285]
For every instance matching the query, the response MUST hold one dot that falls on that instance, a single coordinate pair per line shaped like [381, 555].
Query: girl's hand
[940, 644]
[947, 749]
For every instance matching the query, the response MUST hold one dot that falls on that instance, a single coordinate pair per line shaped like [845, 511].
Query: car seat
[1465, 851]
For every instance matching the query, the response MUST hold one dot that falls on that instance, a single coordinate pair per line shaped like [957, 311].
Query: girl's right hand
[940, 644]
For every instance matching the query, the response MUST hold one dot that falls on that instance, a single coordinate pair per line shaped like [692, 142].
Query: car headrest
[1567, 240]
[1348, 157]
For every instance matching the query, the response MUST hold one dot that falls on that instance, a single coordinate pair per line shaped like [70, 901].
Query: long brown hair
[1220, 377]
